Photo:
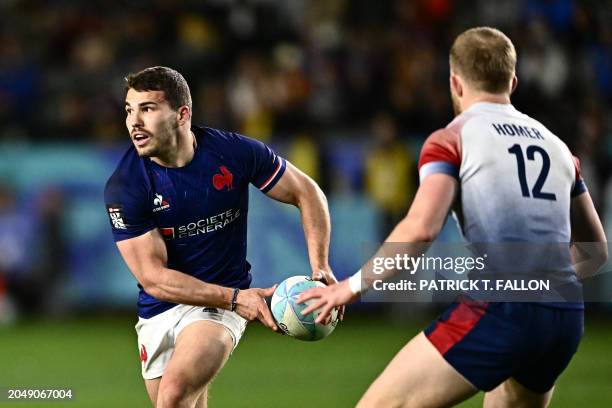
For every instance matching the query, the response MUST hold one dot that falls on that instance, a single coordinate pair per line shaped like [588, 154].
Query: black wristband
[234, 297]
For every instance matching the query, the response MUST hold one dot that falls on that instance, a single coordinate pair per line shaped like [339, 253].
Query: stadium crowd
[304, 74]
[281, 69]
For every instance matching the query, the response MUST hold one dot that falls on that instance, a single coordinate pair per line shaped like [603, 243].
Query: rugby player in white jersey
[508, 179]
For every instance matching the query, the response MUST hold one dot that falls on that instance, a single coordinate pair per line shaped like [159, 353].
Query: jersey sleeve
[579, 184]
[263, 166]
[128, 210]
[441, 153]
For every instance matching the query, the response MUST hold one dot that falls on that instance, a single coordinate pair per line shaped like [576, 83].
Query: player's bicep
[434, 198]
[585, 223]
[290, 186]
[429, 209]
[144, 255]
[263, 167]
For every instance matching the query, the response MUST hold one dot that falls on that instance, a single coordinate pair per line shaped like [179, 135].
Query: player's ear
[456, 85]
[183, 114]
[514, 84]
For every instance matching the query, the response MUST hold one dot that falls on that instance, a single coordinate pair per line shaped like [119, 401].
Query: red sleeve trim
[577, 168]
[442, 145]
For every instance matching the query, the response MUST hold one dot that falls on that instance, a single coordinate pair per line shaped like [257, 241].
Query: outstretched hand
[336, 295]
[327, 277]
[251, 304]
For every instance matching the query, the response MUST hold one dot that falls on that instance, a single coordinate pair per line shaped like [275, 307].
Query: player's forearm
[413, 229]
[316, 223]
[588, 257]
[173, 286]
[410, 237]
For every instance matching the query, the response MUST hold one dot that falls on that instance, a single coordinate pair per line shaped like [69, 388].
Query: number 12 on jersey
[536, 191]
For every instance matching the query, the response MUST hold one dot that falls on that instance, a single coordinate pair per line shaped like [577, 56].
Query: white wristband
[355, 282]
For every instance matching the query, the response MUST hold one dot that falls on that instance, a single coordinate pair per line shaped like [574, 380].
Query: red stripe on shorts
[460, 322]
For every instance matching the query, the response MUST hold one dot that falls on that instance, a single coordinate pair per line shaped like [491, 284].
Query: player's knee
[171, 395]
[175, 393]
[507, 396]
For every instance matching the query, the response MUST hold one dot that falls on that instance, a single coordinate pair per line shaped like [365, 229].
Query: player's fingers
[320, 277]
[268, 291]
[309, 294]
[313, 306]
[330, 279]
[324, 313]
[328, 319]
[266, 317]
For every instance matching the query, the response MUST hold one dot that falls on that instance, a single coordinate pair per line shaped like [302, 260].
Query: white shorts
[157, 335]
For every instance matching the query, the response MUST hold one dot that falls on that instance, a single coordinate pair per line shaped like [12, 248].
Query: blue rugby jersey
[200, 209]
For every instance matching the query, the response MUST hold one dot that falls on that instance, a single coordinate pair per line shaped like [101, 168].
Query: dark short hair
[485, 57]
[165, 79]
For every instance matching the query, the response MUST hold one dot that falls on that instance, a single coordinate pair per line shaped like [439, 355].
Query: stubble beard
[152, 149]
[159, 144]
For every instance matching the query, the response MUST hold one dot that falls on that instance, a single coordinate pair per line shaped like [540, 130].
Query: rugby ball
[287, 312]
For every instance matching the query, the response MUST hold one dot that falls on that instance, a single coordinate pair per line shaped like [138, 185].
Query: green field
[98, 359]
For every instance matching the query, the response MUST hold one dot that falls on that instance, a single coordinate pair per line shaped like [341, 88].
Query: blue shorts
[487, 343]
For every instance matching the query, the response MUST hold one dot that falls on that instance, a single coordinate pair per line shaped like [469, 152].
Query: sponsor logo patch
[115, 213]
[167, 232]
[159, 203]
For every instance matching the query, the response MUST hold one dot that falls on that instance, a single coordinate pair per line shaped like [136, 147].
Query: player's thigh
[418, 376]
[152, 386]
[511, 394]
[200, 351]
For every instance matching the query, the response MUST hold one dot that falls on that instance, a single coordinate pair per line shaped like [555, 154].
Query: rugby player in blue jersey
[178, 204]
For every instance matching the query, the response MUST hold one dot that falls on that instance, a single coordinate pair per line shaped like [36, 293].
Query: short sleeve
[579, 184]
[264, 166]
[441, 153]
[128, 210]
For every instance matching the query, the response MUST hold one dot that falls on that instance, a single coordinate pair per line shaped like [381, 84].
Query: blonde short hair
[485, 57]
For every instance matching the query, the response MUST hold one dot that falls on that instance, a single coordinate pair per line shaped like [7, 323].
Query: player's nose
[135, 120]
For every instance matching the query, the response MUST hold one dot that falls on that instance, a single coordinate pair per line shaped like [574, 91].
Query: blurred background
[346, 90]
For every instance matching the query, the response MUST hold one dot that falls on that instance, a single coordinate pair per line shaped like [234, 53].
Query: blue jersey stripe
[438, 167]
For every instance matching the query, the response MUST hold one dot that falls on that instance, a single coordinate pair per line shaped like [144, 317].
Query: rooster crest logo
[223, 179]
[143, 353]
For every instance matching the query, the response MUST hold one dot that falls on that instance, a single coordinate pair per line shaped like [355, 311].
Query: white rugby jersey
[516, 177]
